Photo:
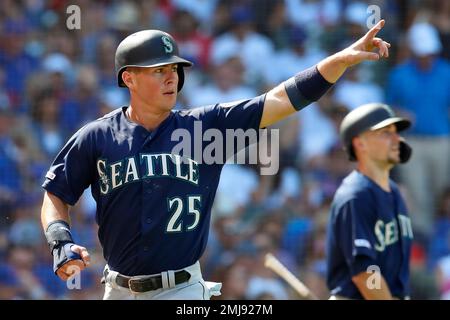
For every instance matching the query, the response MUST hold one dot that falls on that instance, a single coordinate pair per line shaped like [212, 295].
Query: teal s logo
[168, 46]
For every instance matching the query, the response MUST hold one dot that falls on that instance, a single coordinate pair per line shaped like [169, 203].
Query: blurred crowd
[54, 79]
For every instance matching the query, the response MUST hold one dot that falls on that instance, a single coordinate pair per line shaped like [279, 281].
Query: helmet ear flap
[180, 71]
[351, 152]
[120, 80]
[405, 151]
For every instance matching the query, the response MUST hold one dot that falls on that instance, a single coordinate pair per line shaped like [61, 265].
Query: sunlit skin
[377, 152]
[153, 92]
[382, 146]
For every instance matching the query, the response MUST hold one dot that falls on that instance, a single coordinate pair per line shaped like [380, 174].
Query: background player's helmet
[149, 48]
[372, 116]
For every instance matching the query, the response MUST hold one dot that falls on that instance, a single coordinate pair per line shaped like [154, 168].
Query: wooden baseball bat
[276, 266]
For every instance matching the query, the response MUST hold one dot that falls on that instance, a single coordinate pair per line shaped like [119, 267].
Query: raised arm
[309, 85]
[67, 256]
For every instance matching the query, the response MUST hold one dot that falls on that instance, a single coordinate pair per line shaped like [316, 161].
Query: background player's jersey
[368, 227]
[153, 208]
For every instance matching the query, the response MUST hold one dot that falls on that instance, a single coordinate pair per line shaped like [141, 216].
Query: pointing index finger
[373, 32]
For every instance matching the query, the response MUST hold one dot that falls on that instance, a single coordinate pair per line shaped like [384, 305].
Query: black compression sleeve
[305, 87]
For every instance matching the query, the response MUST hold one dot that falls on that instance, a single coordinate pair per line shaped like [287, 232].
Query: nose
[396, 136]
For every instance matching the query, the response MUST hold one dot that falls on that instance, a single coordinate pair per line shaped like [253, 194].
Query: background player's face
[155, 86]
[382, 145]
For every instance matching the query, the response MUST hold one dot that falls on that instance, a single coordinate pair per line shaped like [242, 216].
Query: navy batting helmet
[372, 116]
[149, 48]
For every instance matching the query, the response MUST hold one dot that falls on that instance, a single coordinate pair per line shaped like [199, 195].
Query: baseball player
[369, 231]
[153, 205]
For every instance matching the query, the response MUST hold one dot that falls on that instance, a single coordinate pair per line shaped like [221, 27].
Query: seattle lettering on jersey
[388, 233]
[145, 166]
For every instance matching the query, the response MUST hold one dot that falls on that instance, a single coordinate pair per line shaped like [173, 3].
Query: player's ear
[128, 78]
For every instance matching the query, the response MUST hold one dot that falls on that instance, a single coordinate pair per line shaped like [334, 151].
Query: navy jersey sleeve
[72, 170]
[354, 227]
[243, 114]
[238, 122]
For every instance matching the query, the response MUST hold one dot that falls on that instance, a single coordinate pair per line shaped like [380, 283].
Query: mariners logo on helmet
[168, 47]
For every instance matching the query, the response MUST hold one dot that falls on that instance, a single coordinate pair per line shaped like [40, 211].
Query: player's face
[383, 145]
[156, 86]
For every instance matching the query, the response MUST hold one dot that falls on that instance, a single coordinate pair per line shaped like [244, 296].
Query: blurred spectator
[314, 147]
[123, 16]
[105, 63]
[315, 15]
[272, 22]
[192, 42]
[235, 279]
[265, 289]
[296, 56]
[440, 238]
[82, 104]
[59, 69]
[25, 231]
[5, 101]
[357, 89]
[155, 14]
[355, 18]
[63, 42]
[314, 272]
[253, 48]
[14, 60]
[227, 83]
[92, 30]
[443, 277]
[227, 200]
[17, 279]
[441, 19]
[423, 284]
[10, 176]
[314, 12]
[296, 236]
[48, 128]
[202, 10]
